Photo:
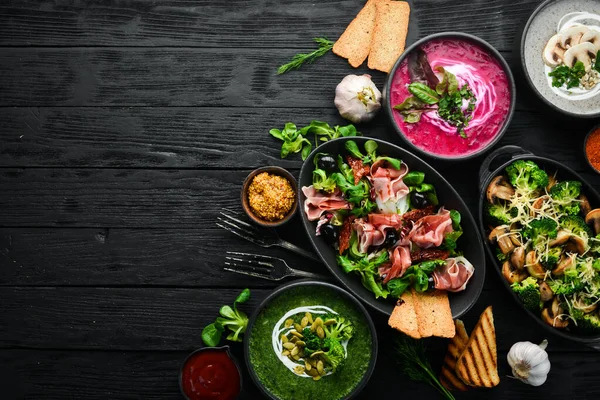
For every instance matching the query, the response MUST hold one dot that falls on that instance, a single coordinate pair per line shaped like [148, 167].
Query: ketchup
[210, 374]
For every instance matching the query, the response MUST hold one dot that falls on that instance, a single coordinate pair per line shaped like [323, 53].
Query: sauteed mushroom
[512, 275]
[546, 293]
[551, 315]
[584, 205]
[538, 204]
[500, 234]
[576, 245]
[562, 237]
[499, 189]
[566, 261]
[534, 267]
[593, 218]
[517, 258]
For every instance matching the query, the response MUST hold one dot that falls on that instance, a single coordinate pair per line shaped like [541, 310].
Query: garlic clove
[357, 98]
[529, 362]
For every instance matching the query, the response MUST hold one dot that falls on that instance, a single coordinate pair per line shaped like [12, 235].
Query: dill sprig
[307, 58]
[414, 364]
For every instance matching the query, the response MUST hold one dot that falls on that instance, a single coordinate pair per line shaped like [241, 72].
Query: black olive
[330, 233]
[327, 163]
[391, 237]
[431, 282]
[418, 200]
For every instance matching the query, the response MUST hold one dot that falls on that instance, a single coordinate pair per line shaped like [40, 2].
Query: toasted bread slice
[404, 318]
[456, 346]
[434, 314]
[355, 42]
[478, 364]
[389, 34]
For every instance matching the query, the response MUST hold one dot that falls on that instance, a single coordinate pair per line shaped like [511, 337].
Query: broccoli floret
[576, 225]
[528, 291]
[335, 354]
[313, 342]
[566, 193]
[540, 228]
[550, 259]
[341, 330]
[570, 283]
[586, 323]
[524, 174]
[500, 215]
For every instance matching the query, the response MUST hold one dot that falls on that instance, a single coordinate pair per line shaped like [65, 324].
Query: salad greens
[416, 276]
[415, 365]
[562, 75]
[449, 98]
[295, 141]
[231, 318]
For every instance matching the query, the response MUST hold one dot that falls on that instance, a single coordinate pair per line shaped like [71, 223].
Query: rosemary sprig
[414, 364]
[307, 58]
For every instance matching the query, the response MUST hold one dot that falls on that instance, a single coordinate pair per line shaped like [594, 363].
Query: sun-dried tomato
[346, 233]
[428, 254]
[417, 214]
[358, 168]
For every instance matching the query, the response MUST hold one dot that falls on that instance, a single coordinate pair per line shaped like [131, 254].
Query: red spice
[592, 149]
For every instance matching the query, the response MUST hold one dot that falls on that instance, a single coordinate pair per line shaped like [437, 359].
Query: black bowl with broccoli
[310, 340]
[543, 232]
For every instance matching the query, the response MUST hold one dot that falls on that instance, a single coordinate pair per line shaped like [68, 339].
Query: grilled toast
[456, 346]
[477, 366]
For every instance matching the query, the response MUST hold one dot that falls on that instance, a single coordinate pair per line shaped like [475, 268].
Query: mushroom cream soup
[489, 90]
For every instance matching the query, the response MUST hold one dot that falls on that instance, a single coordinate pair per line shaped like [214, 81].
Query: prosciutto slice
[429, 231]
[317, 203]
[400, 259]
[372, 231]
[454, 275]
[388, 186]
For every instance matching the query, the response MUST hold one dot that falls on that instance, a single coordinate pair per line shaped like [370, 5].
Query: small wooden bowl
[246, 204]
[585, 154]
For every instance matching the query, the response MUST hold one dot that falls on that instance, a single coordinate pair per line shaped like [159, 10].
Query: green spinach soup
[310, 342]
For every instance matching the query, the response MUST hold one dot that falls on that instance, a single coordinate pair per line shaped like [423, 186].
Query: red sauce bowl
[210, 373]
[479, 64]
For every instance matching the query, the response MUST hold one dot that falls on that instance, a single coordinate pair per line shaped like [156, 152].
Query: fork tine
[256, 256]
[239, 233]
[250, 231]
[260, 264]
[239, 221]
[254, 274]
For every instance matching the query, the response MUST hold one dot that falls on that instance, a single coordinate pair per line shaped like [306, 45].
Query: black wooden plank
[153, 375]
[172, 318]
[237, 23]
[234, 77]
[213, 137]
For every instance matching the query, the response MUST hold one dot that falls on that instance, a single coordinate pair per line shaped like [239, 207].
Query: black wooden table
[126, 125]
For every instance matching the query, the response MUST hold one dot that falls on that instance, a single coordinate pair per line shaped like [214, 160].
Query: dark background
[125, 126]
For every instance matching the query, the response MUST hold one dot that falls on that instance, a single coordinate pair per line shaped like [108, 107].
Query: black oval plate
[486, 174]
[470, 241]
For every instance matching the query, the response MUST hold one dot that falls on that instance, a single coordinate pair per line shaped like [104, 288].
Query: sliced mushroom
[534, 267]
[499, 234]
[586, 308]
[593, 218]
[556, 309]
[554, 52]
[576, 245]
[593, 36]
[566, 261]
[538, 204]
[584, 205]
[517, 258]
[562, 237]
[512, 275]
[546, 293]
[583, 52]
[499, 189]
[553, 320]
[572, 36]
[551, 181]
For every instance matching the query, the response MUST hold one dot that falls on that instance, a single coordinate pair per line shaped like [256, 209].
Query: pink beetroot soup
[473, 65]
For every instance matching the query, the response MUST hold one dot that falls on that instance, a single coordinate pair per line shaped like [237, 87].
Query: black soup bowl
[293, 300]
[493, 166]
[470, 242]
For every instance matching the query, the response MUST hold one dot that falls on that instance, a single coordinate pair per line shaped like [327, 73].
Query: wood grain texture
[236, 23]
[56, 375]
[136, 319]
[214, 137]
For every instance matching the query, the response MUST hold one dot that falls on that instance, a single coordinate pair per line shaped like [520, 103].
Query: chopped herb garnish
[564, 75]
[447, 96]
[307, 58]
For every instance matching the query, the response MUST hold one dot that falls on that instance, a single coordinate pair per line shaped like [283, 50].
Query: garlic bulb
[529, 362]
[357, 98]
